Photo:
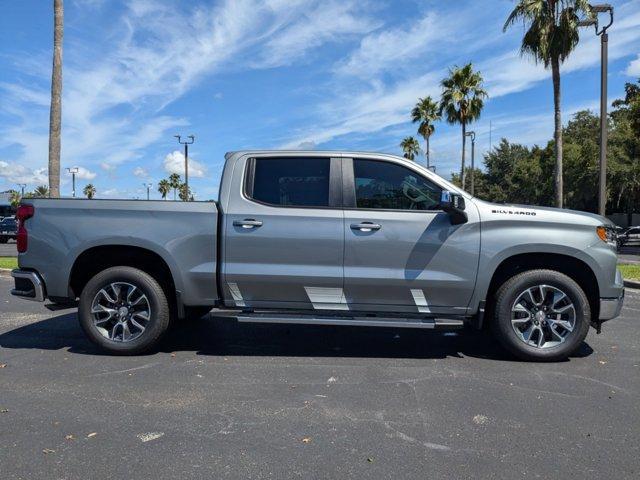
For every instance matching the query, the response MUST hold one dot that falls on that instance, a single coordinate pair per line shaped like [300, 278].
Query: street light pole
[601, 31]
[73, 171]
[22, 187]
[472, 134]
[148, 185]
[186, 162]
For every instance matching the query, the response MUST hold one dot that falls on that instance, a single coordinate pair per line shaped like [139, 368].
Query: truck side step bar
[394, 322]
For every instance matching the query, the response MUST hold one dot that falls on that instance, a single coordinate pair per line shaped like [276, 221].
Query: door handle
[365, 226]
[247, 223]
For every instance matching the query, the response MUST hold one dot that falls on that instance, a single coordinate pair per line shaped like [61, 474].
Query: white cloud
[83, 173]
[633, 69]
[14, 173]
[140, 172]
[391, 48]
[174, 163]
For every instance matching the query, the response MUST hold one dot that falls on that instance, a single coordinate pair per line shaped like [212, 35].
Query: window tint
[302, 182]
[385, 185]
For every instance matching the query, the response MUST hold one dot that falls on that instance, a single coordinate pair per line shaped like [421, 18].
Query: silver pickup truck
[332, 238]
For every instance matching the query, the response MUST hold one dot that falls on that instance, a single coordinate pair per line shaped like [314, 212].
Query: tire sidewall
[158, 321]
[518, 284]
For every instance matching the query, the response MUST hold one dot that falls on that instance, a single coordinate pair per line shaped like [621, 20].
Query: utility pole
[186, 162]
[472, 134]
[148, 185]
[73, 171]
[22, 187]
[601, 31]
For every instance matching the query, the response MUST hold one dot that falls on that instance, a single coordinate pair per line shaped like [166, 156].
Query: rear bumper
[28, 285]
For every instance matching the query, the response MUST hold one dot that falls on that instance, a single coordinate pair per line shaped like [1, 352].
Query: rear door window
[290, 182]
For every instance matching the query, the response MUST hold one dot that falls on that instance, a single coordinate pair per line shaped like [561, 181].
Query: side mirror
[453, 204]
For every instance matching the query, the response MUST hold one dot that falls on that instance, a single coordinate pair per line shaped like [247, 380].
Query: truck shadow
[223, 336]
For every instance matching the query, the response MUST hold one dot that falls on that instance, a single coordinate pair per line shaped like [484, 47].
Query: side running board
[446, 323]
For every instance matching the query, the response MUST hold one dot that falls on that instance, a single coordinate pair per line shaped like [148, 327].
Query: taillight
[24, 212]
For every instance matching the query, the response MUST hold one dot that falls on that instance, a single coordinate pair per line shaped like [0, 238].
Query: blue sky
[239, 74]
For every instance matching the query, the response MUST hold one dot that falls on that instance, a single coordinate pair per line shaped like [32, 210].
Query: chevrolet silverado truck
[326, 238]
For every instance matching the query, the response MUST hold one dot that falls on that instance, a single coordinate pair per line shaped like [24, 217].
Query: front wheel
[541, 315]
[124, 310]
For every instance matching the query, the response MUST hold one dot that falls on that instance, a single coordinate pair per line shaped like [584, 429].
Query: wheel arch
[98, 258]
[574, 268]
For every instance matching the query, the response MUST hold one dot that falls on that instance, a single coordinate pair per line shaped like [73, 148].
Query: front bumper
[611, 307]
[28, 285]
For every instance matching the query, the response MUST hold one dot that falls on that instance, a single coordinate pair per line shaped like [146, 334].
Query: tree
[41, 191]
[410, 147]
[175, 182]
[551, 35]
[425, 112]
[164, 187]
[14, 198]
[183, 193]
[89, 191]
[462, 102]
[55, 114]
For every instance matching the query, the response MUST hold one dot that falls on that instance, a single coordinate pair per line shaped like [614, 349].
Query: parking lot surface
[229, 400]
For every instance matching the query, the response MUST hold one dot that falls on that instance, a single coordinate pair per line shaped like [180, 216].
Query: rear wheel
[541, 315]
[4, 239]
[124, 311]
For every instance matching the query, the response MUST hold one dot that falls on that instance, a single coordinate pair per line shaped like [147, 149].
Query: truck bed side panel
[183, 234]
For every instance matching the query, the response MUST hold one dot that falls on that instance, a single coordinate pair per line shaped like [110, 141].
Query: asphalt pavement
[8, 249]
[229, 400]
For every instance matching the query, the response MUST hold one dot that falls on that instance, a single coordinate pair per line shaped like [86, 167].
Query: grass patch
[8, 262]
[630, 272]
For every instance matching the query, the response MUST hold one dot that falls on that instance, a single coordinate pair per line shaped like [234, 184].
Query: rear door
[401, 251]
[284, 237]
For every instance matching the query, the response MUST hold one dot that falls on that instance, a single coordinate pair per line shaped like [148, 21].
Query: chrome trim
[611, 307]
[36, 281]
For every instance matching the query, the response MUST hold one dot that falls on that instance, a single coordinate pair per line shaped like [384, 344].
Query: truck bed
[182, 234]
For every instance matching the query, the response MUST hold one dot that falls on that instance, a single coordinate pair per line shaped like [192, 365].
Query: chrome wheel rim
[543, 316]
[121, 312]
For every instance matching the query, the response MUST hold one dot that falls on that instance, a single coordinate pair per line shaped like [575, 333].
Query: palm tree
[14, 198]
[55, 114]
[552, 33]
[89, 191]
[41, 191]
[410, 147]
[174, 182]
[426, 112]
[184, 195]
[164, 187]
[462, 101]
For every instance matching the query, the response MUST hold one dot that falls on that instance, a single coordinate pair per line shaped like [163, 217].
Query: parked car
[324, 238]
[8, 229]
[630, 236]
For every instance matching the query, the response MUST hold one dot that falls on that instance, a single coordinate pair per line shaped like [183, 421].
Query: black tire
[192, 314]
[158, 320]
[4, 239]
[507, 295]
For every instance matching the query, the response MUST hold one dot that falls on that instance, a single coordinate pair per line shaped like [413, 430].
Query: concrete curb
[631, 284]
[5, 272]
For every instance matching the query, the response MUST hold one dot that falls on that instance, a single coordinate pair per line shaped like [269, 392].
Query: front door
[284, 238]
[401, 251]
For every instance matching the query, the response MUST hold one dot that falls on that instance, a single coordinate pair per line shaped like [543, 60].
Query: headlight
[607, 234]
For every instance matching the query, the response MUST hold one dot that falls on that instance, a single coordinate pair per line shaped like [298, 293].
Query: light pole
[148, 185]
[73, 171]
[604, 53]
[22, 187]
[472, 134]
[186, 162]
